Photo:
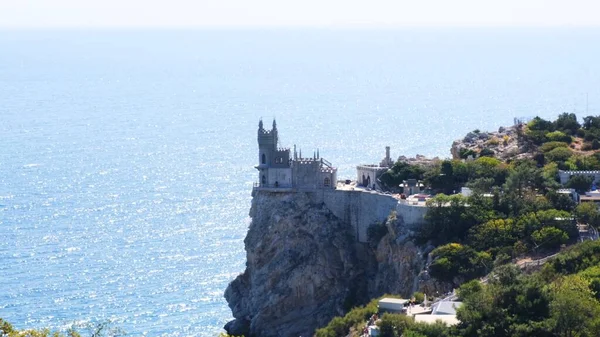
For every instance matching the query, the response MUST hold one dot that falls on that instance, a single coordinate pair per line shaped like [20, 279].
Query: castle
[287, 174]
[278, 171]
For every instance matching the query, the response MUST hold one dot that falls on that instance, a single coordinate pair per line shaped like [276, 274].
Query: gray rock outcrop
[304, 266]
[504, 144]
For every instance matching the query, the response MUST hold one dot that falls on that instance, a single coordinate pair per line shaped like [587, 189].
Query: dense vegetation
[563, 299]
[354, 320]
[514, 210]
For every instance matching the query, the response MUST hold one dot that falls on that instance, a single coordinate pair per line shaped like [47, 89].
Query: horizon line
[294, 27]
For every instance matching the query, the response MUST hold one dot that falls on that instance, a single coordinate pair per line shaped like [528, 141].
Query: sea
[127, 156]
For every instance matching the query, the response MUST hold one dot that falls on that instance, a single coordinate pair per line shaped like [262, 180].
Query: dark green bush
[485, 152]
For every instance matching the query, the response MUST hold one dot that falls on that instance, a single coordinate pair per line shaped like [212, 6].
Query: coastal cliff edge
[304, 267]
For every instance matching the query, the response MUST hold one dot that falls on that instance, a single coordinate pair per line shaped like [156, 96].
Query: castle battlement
[566, 175]
[307, 160]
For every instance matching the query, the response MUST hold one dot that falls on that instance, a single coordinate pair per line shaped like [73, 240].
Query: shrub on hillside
[394, 325]
[558, 136]
[549, 146]
[339, 326]
[558, 154]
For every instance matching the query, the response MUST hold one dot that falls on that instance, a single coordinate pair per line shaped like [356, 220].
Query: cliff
[305, 266]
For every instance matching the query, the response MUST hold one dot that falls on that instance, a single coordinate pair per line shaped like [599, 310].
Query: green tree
[591, 122]
[401, 171]
[456, 263]
[561, 201]
[587, 213]
[583, 163]
[394, 325]
[559, 154]
[574, 309]
[568, 123]
[549, 237]
[522, 184]
[540, 124]
[580, 183]
[558, 136]
[494, 233]
[446, 218]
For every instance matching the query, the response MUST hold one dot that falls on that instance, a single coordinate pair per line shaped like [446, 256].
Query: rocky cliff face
[304, 267]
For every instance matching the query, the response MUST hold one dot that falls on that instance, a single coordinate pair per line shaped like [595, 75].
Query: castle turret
[267, 144]
[273, 163]
[387, 161]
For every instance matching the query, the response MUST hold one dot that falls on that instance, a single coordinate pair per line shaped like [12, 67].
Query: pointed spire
[300, 153]
[295, 154]
[274, 124]
[317, 153]
[260, 124]
[314, 155]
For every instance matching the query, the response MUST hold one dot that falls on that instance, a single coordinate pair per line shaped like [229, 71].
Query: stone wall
[281, 177]
[362, 209]
[566, 175]
[411, 215]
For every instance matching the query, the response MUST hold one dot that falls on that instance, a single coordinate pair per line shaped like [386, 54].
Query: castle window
[264, 159]
[326, 182]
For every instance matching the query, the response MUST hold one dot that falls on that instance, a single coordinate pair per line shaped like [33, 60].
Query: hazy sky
[224, 13]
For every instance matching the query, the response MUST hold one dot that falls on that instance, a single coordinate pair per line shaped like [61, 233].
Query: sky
[292, 13]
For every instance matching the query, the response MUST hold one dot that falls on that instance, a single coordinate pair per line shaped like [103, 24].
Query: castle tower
[387, 161]
[274, 165]
[267, 144]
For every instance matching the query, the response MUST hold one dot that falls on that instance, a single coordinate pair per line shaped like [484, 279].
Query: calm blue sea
[126, 157]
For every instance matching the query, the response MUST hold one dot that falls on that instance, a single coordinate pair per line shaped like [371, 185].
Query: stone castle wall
[362, 209]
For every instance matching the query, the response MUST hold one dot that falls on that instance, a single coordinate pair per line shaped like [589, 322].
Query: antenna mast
[587, 104]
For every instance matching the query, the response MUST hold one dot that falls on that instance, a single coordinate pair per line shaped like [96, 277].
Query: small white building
[367, 175]
[591, 196]
[395, 305]
[466, 191]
